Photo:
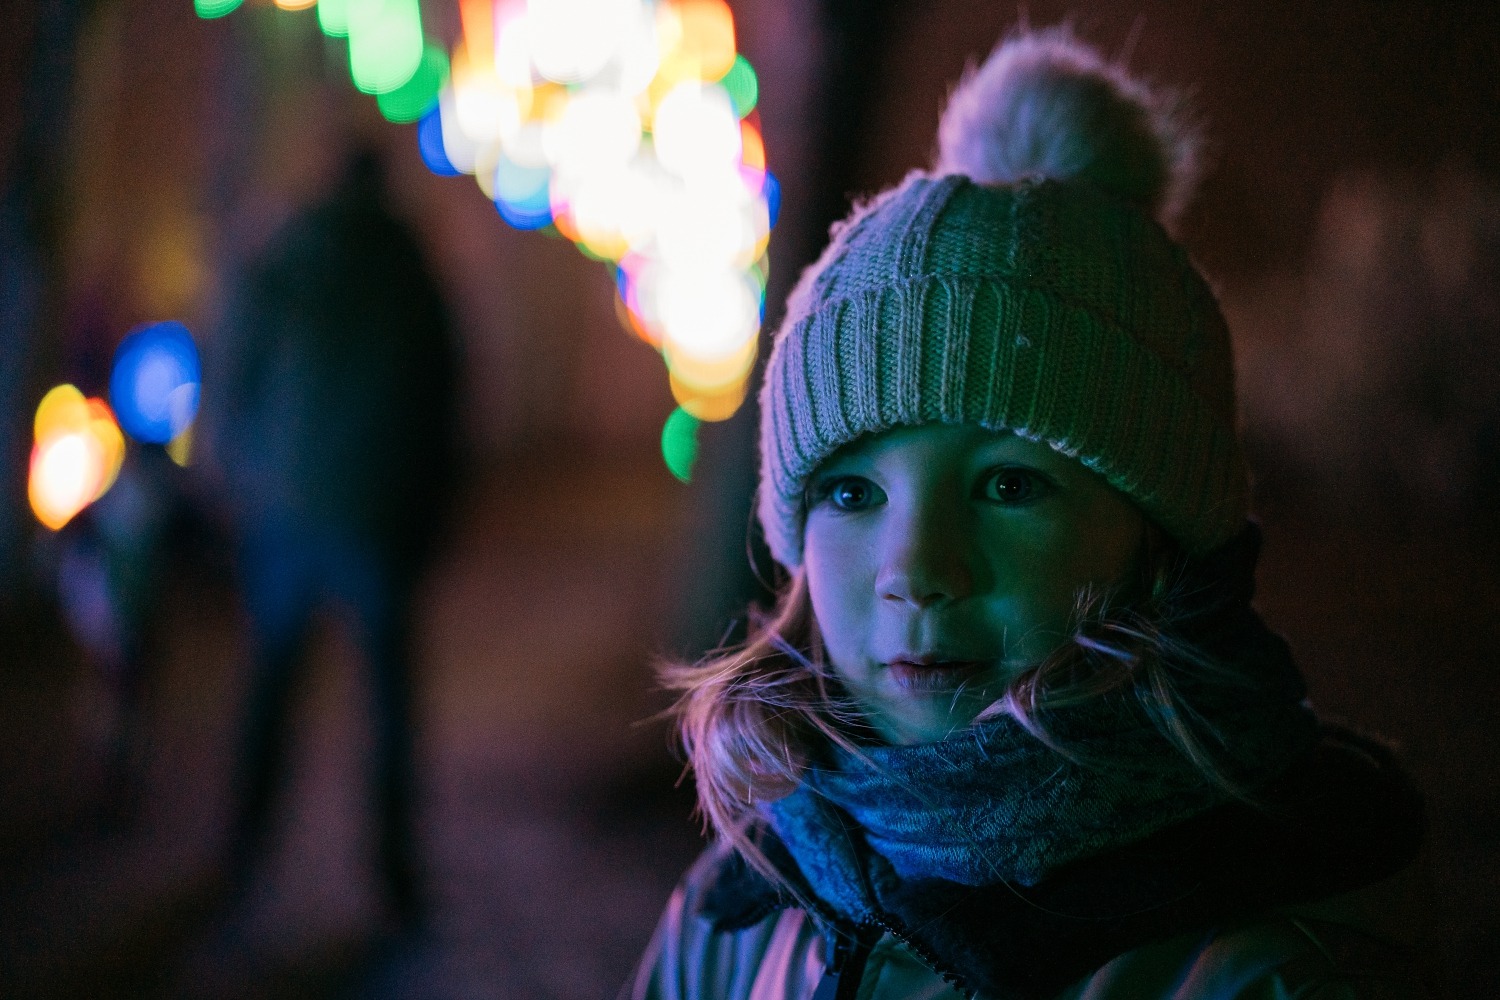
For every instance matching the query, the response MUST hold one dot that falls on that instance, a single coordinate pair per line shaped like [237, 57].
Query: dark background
[1351, 223]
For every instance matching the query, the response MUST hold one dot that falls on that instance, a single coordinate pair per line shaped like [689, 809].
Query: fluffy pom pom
[1046, 106]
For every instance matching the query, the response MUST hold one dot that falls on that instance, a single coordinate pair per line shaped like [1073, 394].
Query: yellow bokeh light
[62, 410]
[668, 27]
[76, 457]
[111, 440]
[706, 313]
[486, 163]
[710, 375]
[696, 39]
[295, 4]
[180, 448]
[168, 261]
[548, 101]
[708, 406]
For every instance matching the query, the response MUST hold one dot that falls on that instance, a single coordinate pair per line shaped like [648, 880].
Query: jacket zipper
[841, 980]
[837, 990]
[896, 931]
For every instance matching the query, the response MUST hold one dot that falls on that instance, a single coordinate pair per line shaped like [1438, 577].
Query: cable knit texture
[1047, 308]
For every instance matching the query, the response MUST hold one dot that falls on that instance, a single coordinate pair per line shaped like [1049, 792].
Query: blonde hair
[752, 717]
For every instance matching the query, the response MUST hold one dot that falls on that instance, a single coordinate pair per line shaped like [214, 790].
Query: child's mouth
[924, 675]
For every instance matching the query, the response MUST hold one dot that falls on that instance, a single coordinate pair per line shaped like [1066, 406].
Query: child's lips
[930, 673]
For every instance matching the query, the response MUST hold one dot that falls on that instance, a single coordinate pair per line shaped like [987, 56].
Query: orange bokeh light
[77, 455]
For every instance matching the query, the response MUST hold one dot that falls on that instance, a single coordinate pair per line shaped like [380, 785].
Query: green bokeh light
[679, 443]
[385, 43]
[333, 17]
[742, 86]
[416, 96]
[215, 8]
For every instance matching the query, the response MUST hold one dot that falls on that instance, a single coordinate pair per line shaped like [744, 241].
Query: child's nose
[925, 560]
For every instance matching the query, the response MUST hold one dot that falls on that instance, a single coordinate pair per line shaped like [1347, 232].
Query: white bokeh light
[696, 131]
[597, 130]
[572, 40]
[461, 150]
[708, 313]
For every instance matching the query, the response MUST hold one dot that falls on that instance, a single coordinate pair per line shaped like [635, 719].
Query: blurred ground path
[553, 829]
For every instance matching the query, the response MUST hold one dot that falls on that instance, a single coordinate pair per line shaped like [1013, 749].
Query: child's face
[942, 560]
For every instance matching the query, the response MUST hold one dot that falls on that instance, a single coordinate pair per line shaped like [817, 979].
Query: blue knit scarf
[993, 804]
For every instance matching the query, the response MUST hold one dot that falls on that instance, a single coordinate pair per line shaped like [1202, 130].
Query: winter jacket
[1270, 901]
[1291, 955]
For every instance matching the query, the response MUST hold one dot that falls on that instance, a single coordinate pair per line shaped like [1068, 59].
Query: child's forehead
[940, 443]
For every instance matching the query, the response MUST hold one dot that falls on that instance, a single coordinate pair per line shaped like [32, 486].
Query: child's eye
[850, 493]
[1011, 485]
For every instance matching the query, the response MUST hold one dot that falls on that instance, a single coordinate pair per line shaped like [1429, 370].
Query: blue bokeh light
[773, 199]
[522, 194]
[154, 386]
[430, 143]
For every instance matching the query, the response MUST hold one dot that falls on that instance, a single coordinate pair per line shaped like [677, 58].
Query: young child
[1013, 728]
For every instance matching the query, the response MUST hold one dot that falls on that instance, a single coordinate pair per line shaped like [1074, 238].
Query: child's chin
[928, 718]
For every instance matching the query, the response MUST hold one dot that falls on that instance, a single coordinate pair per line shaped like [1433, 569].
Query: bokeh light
[430, 145]
[522, 194]
[417, 96]
[573, 40]
[385, 43]
[771, 193]
[700, 34]
[742, 86]
[628, 127]
[461, 152]
[215, 8]
[76, 455]
[154, 385]
[696, 131]
[679, 443]
[333, 17]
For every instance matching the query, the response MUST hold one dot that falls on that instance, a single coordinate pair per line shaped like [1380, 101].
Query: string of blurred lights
[626, 126]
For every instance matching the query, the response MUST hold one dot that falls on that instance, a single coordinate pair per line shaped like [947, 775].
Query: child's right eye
[849, 493]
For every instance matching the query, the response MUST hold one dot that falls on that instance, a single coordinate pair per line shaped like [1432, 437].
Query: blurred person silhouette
[331, 401]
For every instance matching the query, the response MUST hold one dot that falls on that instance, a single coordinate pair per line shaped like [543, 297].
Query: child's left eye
[849, 493]
[1011, 485]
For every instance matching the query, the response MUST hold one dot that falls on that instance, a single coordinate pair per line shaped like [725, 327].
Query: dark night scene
[446, 552]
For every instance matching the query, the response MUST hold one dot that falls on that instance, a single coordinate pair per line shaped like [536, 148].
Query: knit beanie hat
[1025, 284]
